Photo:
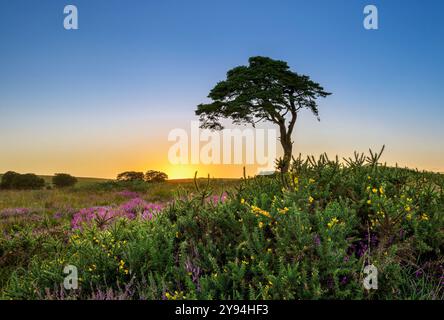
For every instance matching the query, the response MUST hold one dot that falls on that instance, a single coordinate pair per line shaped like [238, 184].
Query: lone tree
[62, 180]
[265, 90]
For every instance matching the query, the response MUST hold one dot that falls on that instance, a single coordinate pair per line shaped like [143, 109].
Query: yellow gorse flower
[260, 211]
[381, 213]
[332, 222]
[177, 295]
[310, 199]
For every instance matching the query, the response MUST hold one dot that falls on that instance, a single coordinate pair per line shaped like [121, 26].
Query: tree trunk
[288, 149]
[286, 142]
[287, 145]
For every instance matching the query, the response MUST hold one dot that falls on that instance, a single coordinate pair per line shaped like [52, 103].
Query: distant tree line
[28, 181]
[15, 181]
[149, 176]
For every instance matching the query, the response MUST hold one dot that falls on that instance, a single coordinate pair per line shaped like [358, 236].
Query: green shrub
[62, 180]
[8, 179]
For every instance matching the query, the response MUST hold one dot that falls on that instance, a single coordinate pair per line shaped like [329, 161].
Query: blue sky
[95, 100]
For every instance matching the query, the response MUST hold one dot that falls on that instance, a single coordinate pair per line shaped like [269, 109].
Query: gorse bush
[306, 234]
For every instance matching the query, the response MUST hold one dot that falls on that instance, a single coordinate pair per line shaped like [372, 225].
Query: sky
[102, 99]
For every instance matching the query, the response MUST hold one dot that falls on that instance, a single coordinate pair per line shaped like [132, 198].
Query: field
[82, 181]
[308, 234]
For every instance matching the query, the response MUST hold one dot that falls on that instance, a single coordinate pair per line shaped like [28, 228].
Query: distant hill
[88, 180]
[191, 180]
[81, 180]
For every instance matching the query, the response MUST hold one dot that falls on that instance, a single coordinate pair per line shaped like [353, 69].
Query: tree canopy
[130, 176]
[62, 180]
[265, 90]
[149, 176]
[155, 176]
[14, 180]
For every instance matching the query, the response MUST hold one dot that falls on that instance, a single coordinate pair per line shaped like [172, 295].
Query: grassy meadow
[307, 234]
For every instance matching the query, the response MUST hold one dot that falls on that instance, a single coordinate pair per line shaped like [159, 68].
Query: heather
[305, 234]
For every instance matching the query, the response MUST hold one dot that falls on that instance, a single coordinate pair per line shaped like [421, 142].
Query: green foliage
[265, 90]
[130, 176]
[29, 181]
[303, 235]
[8, 179]
[155, 176]
[62, 180]
[136, 177]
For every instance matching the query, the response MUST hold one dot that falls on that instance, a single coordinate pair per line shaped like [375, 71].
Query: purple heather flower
[401, 233]
[317, 240]
[215, 199]
[195, 272]
[14, 212]
[58, 215]
[104, 215]
[128, 194]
